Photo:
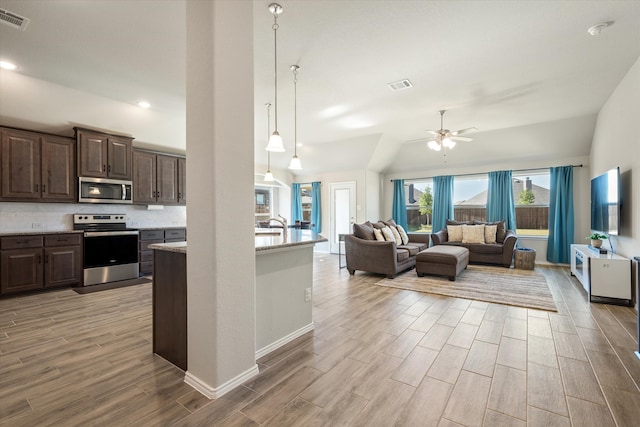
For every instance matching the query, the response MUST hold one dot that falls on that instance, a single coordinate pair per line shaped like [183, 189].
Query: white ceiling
[525, 73]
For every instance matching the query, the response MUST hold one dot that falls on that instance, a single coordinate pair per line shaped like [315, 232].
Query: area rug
[522, 288]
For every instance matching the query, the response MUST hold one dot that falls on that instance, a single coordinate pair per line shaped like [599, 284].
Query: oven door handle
[111, 233]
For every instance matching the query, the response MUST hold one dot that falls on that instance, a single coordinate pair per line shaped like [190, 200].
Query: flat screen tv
[605, 202]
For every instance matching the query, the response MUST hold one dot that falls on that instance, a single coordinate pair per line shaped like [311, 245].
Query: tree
[426, 203]
[526, 197]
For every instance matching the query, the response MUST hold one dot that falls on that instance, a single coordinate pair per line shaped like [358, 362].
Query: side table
[340, 239]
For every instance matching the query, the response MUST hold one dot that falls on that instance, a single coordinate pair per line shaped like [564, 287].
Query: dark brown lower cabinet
[40, 261]
[21, 270]
[170, 307]
[159, 235]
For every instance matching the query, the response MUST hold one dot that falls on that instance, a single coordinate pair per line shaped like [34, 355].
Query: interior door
[343, 212]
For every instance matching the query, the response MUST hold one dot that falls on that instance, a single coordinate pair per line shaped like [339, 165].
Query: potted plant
[596, 239]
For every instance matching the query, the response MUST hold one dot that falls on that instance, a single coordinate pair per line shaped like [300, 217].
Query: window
[530, 193]
[531, 197]
[470, 197]
[419, 203]
[305, 196]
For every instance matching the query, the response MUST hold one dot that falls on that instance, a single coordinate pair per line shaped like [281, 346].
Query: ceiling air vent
[400, 85]
[11, 19]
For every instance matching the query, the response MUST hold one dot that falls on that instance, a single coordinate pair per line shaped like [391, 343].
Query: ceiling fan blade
[461, 138]
[433, 132]
[411, 141]
[461, 131]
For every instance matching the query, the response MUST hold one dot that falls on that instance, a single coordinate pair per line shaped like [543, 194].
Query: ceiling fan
[444, 139]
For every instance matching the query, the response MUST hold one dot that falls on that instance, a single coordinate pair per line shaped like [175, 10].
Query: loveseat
[383, 247]
[488, 242]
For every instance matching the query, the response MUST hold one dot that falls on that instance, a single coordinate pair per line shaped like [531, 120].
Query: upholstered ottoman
[442, 260]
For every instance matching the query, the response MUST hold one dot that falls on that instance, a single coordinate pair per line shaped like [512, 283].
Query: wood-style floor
[378, 356]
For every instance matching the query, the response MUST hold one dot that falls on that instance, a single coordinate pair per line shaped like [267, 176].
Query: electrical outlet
[36, 225]
[307, 294]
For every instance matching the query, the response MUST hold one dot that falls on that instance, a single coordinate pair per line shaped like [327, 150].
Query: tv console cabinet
[605, 277]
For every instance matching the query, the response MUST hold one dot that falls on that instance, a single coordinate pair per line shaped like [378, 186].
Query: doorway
[343, 212]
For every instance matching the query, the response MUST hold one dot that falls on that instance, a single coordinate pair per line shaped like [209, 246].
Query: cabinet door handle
[35, 188]
[104, 168]
[44, 188]
[39, 259]
[109, 168]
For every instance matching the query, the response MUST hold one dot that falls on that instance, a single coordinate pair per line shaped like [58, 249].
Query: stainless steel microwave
[101, 190]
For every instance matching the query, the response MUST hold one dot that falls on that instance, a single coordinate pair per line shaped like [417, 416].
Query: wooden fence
[527, 217]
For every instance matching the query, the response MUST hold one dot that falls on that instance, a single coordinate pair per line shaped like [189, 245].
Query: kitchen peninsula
[284, 278]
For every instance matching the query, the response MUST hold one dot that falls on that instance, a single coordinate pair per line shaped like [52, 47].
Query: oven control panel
[99, 218]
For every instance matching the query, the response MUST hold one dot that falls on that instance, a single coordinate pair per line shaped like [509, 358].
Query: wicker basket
[525, 258]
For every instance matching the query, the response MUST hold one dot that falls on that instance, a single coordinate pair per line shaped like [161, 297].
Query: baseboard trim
[284, 340]
[217, 392]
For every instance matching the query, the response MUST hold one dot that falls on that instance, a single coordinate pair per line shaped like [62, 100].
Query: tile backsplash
[35, 217]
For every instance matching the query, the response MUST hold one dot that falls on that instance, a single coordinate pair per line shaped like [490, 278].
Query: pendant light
[295, 161]
[268, 176]
[275, 140]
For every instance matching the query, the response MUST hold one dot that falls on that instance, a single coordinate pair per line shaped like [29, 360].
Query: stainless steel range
[110, 248]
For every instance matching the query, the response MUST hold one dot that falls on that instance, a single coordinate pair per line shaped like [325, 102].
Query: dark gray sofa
[364, 253]
[499, 253]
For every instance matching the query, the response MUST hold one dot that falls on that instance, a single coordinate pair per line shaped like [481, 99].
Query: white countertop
[264, 242]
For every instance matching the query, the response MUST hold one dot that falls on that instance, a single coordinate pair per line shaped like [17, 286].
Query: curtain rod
[480, 173]
[306, 183]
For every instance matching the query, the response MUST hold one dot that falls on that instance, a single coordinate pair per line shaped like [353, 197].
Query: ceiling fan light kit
[444, 139]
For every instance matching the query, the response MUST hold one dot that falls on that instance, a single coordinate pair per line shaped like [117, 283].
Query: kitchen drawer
[144, 246]
[179, 234]
[146, 256]
[63, 240]
[21, 242]
[146, 267]
[152, 235]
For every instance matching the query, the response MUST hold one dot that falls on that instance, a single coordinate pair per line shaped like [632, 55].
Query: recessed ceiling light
[598, 28]
[143, 104]
[8, 65]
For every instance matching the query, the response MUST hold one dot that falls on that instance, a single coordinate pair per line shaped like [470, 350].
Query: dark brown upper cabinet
[102, 155]
[157, 178]
[37, 167]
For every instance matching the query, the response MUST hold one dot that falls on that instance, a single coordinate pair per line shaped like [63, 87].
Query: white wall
[616, 143]
[373, 195]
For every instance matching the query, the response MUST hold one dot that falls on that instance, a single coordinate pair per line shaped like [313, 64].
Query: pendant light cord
[268, 105]
[275, 27]
[295, 111]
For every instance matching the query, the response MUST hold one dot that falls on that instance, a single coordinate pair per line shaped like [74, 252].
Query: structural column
[221, 253]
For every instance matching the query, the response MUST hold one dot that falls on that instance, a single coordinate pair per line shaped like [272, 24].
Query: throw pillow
[396, 235]
[473, 234]
[455, 233]
[364, 231]
[490, 233]
[390, 223]
[403, 235]
[378, 234]
[388, 235]
[379, 225]
[501, 233]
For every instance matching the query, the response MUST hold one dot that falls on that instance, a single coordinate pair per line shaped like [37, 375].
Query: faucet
[282, 220]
